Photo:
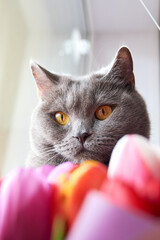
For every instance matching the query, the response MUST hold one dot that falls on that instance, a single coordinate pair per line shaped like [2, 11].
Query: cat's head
[83, 118]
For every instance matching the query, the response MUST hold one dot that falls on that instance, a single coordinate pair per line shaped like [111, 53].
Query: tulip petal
[101, 219]
[89, 175]
[25, 206]
[60, 170]
[45, 170]
[134, 161]
[134, 175]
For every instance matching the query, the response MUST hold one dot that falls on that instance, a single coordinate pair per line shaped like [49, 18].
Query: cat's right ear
[44, 79]
[122, 69]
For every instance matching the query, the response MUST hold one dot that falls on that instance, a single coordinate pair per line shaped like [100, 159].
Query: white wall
[12, 41]
[145, 52]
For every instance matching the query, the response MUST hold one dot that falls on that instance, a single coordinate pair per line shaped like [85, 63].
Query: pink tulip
[64, 168]
[45, 170]
[26, 206]
[134, 175]
[135, 161]
[0, 182]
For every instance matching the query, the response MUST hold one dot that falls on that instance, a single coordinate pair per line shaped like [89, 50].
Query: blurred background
[75, 37]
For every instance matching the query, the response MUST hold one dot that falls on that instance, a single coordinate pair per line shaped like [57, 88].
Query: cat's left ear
[44, 79]
[123, 68]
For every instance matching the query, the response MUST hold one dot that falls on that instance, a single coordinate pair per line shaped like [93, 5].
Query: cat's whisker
[45, 155]
[45, 148]
[47, 152]
[51, 158]
[62, 145]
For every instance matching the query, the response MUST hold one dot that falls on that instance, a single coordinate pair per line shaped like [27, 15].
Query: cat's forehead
[81, 95]
[84, 87]
[81, 82]
[85, 92]
[78, 93]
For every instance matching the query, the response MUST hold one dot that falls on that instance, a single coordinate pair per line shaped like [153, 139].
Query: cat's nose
[82, 138]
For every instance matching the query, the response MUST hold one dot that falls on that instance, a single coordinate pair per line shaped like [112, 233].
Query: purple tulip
[26, 202]
[101, 219]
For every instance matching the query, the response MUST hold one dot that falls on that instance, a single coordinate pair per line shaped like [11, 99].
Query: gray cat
[83, 118]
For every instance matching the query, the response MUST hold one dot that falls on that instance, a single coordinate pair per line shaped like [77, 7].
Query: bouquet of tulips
[86, 201]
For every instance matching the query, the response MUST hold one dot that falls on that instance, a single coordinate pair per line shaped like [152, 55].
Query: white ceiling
[61, 16]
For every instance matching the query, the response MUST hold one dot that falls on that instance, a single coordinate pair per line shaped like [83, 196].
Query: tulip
[101, 219]
[135, 161]
[62, 169]
[1, 181]
[25, 206]
[59, 175]
[89, 175]
[134, 175]
[126, 197]
[45, 170]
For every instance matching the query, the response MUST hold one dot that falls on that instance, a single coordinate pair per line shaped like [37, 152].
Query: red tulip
[126, 197]
[87, 176]
[59, 176]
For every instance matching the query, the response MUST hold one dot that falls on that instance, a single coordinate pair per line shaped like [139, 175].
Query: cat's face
[79, 119]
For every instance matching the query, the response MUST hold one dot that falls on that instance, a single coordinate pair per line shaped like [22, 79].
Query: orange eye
[103, 112]
[62, 118]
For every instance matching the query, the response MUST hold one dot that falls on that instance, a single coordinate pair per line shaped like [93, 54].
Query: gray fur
[52, 143]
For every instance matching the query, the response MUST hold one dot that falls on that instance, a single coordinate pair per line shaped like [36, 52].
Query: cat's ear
[122, 69]
[44, 79]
